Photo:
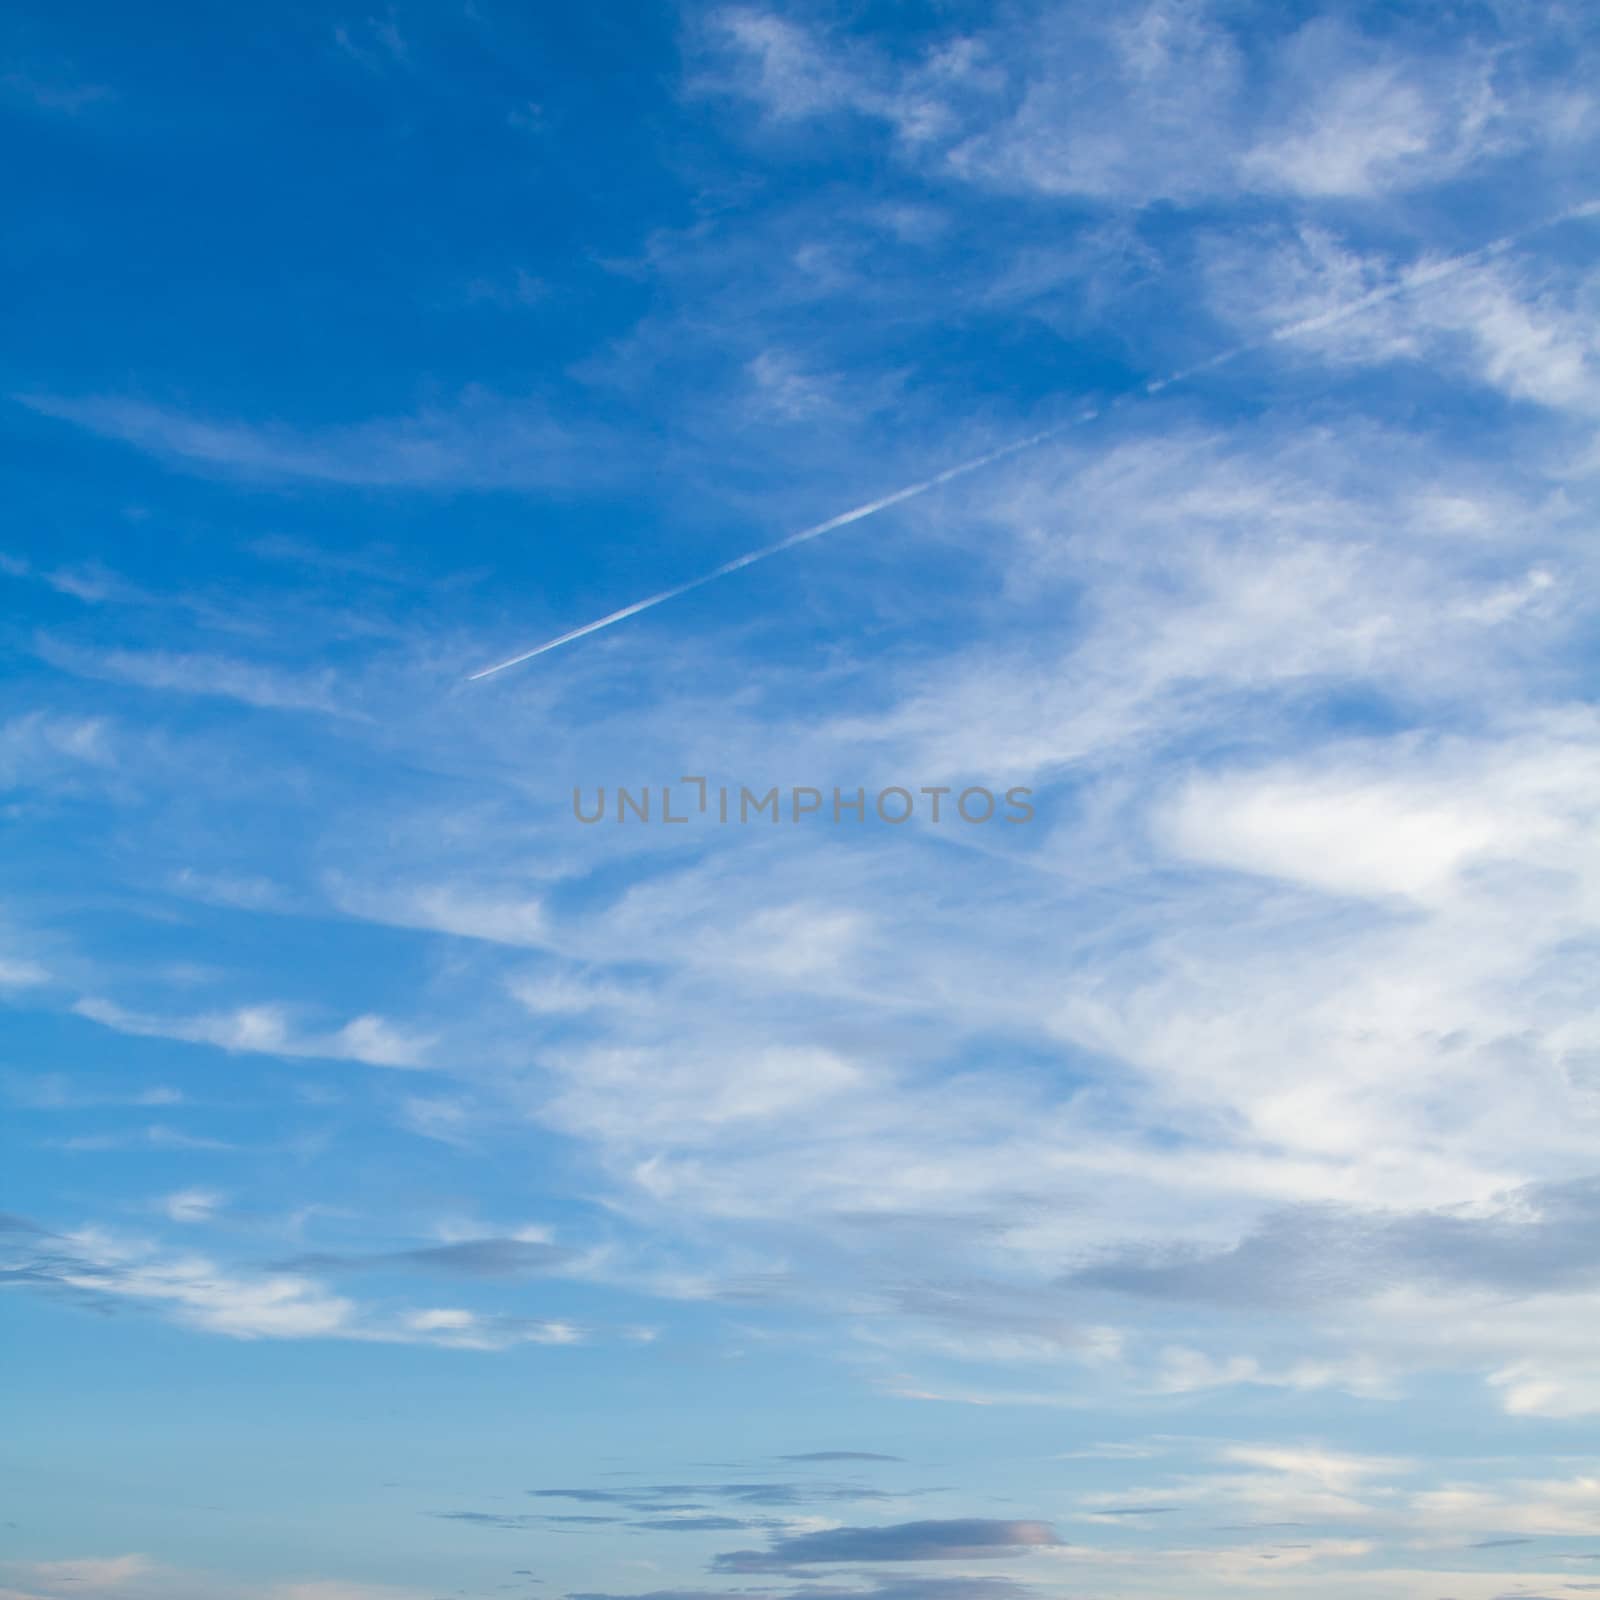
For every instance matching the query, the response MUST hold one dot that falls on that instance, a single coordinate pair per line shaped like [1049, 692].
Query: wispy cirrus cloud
[467, 1258]
[486, 442]
[1161, 102]
[1247, 1095]
[269, 1029]
[105, 1270]
[248, 682]
[914, 1588]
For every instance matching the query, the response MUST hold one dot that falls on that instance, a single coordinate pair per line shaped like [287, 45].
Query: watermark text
[695, 799]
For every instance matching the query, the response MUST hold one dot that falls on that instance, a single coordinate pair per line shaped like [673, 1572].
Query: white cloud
[39, 746]
[271, 1303]
[1497, 322]
[448, 907]
[270, 1306]
[193, 1205]
[1340, 834]
[269, 1029]
[1168, 100]
[1116, 112]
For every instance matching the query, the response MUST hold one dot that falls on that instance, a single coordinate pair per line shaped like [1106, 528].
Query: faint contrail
[750, 557]
[1416, 277]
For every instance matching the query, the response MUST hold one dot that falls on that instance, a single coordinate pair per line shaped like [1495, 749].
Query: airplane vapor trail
[1421, 276]
[750, 557]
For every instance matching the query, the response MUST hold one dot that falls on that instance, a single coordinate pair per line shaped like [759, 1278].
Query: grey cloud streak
[1542, 1238]
[468, 1258]
[958, 1539]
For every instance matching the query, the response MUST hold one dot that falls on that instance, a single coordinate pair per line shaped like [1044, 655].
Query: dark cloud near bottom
[694, 1524]
[692, 1507]
[501, 1519]
[841, 1455]
[655, 1497]
[888, 1589]
[955, 1539]
[695, 1520]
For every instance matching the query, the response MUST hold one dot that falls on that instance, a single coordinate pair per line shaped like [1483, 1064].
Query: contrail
[1416, 277]
[750, 557]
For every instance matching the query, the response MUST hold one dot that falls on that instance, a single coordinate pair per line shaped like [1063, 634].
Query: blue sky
[411, 1191]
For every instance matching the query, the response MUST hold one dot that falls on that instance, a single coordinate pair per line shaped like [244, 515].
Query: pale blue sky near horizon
[408, 1191]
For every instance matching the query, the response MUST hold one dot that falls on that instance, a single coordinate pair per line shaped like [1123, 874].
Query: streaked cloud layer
[416, 1191]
